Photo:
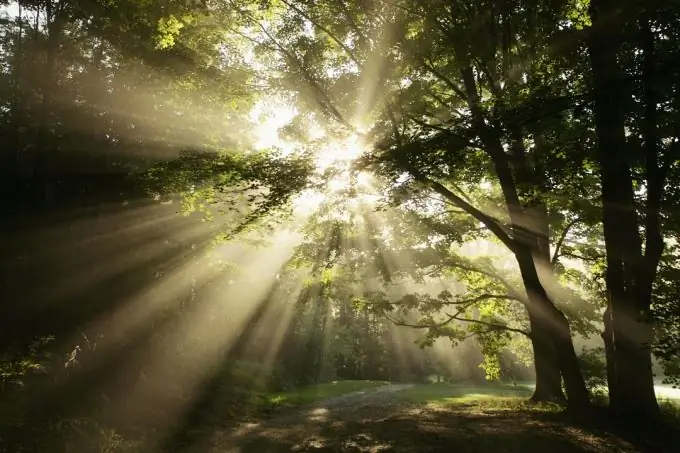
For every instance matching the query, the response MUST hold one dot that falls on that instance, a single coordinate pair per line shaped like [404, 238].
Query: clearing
[408, 418]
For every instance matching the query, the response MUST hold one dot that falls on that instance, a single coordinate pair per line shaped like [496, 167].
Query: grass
[310, 394]
[458, 393]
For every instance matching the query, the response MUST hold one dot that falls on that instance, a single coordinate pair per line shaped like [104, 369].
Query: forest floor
[428, 418]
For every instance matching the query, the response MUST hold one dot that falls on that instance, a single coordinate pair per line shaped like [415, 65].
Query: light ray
[202, 334]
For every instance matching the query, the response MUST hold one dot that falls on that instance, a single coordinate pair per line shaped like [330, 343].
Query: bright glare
[269, 119]
[335, 155]
[339, 153]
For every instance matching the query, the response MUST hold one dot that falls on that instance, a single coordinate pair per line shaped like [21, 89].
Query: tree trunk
[548, 377]
[634, 396]
[610, 354]
[569, 364]
[628, 334]
[553, 326]
[553, 329]
[44, 139]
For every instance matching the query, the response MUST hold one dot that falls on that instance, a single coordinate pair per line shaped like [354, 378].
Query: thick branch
[492, 224]
[579, 257]
[451, 318]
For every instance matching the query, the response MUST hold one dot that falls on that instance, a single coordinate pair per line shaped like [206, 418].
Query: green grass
[490, 397]
[458, 393]
[309, 394]
[498, 397]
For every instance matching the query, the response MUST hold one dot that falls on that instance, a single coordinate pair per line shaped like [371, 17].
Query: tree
[474, 88]
[481, 79]
[637, 147]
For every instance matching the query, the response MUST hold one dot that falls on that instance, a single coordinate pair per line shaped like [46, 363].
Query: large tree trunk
[553, 327]
[634, 393]
[628, 334]
[547, 366]
[569, 363]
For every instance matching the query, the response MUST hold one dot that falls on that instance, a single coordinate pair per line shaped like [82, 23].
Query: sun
[339, 154]
[338, 157]
[335, 155]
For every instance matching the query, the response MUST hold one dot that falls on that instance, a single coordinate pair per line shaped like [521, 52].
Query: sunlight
[269, 118]
[335, 159]
[307, 202]
[219, 318]
[339, 154]
[335, 155]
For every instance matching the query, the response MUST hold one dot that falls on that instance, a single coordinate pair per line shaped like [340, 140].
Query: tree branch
[330, 34]
[487, 273]
[492, 224]
[427, 125]
[325, 101]
[451, 318]
[483, 297]
[439, 99]
[448, 82]
[560, 241]
[579, 257]
[494, 326]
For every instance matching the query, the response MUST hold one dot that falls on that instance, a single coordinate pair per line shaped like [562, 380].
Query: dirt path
[301, 429]
[376, 421]
[298, 430]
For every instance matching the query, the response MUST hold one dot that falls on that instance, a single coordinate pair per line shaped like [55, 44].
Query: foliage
[17, 365]
[73, 435]
[247, 187]
[594, 370]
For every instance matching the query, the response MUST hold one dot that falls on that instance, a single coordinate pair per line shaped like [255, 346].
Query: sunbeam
[321, 218]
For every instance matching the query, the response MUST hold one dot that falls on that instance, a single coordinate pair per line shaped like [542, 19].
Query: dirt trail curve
[377, 421]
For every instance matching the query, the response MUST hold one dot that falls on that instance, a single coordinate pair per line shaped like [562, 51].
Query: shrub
[75, 435]
[594, 369]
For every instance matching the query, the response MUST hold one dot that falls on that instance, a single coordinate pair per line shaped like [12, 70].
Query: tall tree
[637, 150]
[480, 81]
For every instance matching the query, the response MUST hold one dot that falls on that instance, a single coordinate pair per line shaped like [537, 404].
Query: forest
[339, 225]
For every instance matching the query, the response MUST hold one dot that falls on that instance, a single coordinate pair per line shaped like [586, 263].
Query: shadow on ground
[461, 429]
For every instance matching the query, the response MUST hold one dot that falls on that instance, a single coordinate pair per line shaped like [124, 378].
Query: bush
[76, 435]
[66, 435]
[594, 369]
[671, 369]
[17, 364]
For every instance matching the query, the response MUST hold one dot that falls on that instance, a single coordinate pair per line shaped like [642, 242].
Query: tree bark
[49, 84]
[531, 232]
[610, 354]
[553, 325]
[547, 367]
[628, 333]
